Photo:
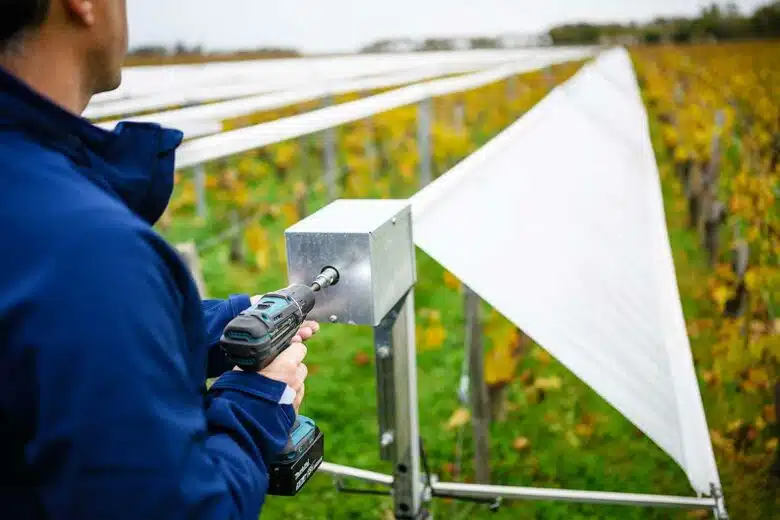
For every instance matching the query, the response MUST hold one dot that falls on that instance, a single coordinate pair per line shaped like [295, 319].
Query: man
[104, 343]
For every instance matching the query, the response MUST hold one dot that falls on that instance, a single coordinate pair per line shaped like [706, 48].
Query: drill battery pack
[299, 460]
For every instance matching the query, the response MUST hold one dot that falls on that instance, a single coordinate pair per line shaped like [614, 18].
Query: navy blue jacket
[105, 345]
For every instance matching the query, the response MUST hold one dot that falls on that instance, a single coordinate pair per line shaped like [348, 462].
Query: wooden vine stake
[712, 211]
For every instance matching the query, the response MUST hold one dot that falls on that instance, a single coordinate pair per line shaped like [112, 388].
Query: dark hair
[18, 16]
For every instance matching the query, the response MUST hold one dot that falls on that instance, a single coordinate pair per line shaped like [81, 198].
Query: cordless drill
[252, 340]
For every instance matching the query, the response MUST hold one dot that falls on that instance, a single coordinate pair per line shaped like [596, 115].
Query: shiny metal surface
[453, 489]
[369, 243]
[385, 383]
[338, 470]
[407, 481]
[424, 116]
[456, 489]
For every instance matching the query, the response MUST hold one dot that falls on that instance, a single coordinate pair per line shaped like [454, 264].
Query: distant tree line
[715, 23]
[182, 53]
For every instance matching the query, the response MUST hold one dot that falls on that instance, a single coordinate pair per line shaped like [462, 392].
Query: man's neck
[52, 71]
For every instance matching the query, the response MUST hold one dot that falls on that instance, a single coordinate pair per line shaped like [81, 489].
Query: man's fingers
[299, 398]
[313, 325]
[295, 353]
[300, 376]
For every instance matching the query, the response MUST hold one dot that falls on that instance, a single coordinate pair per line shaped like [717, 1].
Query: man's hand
[288, 367]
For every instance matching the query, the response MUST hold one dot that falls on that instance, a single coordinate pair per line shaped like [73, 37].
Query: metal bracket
[720, 504]
[399, 432]
[385, 398]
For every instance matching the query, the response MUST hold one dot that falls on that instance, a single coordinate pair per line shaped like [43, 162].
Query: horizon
[343, 26]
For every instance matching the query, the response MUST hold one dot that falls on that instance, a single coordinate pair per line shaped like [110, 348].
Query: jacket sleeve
[217, 314]
[122, 430]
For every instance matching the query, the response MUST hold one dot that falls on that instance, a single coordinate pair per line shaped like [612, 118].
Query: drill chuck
[329, 276]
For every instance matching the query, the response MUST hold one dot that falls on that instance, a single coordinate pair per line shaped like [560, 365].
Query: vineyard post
[236, 242]
[424, 116]
[511, 88]
[549, 77]
[775, 469]
[200, 191]
[712, 211]
[480, 406]
[188, 252]
[370, 148]
[329, 146]
[459, 115]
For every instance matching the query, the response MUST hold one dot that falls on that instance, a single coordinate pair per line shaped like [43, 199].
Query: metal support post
[200, 191]
[394, 339]
[459, 116]
[329, 145]
[480, 406]
[549, 77]
[424, 117]
[511, 88]
[370, 148]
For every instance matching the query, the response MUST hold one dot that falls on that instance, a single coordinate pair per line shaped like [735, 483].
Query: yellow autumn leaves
[729, 95]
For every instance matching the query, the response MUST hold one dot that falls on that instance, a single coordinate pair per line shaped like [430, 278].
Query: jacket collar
[134, 162]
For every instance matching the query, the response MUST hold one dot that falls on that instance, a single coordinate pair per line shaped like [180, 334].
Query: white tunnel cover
[559, 224]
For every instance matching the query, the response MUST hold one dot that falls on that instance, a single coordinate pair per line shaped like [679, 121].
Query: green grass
[340, 396]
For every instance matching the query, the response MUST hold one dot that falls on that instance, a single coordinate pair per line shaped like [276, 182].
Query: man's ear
[83, 11]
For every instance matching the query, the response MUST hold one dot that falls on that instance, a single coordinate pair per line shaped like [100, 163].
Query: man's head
[89, 34]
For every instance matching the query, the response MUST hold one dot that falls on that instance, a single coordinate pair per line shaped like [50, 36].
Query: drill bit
[329, 276]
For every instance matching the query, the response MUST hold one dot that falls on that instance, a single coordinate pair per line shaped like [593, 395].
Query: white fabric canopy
[190, 119]
[558, 223]
[281, 74]
[222, 145]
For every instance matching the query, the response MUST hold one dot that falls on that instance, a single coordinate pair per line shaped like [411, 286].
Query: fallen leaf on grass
[542, 356]
[699, 513]
[460, 417]
[721, 442]
[521, 443]
[770, 415]
[584, 430]
[757, 327]
[709, 377]
[771, 445]
[759, 377]
[362, 359]
[734, 426]
[548, 383]
[749, 386]
[451, 281]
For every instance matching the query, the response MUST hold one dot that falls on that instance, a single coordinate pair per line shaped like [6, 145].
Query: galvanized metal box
[369, 242]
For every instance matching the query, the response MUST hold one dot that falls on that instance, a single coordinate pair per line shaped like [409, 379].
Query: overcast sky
[346, 25]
